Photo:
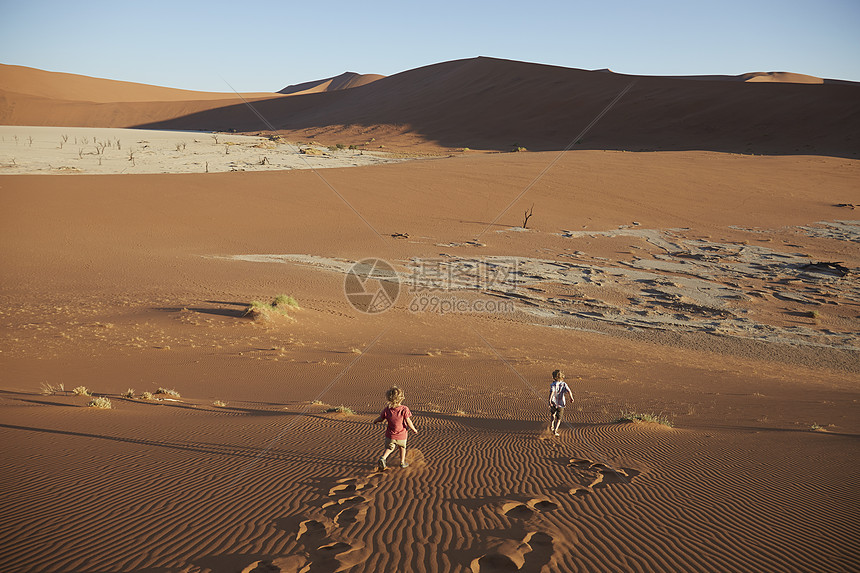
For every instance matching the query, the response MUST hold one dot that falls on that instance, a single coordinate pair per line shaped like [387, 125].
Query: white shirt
[557, 393]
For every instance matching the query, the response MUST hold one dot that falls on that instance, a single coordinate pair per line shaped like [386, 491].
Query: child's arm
[379, 419]
[411, 425]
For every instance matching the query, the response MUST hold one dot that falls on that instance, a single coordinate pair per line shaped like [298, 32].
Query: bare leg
[403, 455]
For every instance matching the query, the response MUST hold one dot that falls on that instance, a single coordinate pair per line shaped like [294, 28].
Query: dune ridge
[344, 81]
[492, 104]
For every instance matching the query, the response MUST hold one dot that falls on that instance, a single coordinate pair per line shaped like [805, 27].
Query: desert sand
[713, 289]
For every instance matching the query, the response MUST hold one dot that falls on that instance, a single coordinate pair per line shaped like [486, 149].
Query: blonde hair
[395, 396]
[557, 375]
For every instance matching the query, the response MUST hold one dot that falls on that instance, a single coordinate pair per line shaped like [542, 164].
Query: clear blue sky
[265, 45]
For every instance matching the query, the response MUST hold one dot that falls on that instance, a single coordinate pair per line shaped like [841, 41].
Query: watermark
[371, 286]
[453, 305]
[444, 274]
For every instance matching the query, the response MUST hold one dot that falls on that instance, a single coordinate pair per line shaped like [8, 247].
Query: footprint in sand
[603, 476]
[320, 544]
[311, 528]
[520, 510]
[531, 553]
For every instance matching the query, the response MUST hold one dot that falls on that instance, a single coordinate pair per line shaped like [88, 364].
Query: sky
[265, 46]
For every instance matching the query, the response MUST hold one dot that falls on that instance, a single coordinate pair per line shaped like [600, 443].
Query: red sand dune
[110, 282]
[344, 81]
[65, 87]
[486, 103]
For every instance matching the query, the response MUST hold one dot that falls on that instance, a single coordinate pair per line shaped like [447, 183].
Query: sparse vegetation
[146, 396]
[51, 389]
[816, 428]
[341, 410]
[129, 393]
[219, 404]
[168, 392]
[283, 300]
[81, 391]
[258, 310]
[640, 417]
[100, 402]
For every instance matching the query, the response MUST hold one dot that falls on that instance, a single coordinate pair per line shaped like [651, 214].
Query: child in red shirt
[399, 419]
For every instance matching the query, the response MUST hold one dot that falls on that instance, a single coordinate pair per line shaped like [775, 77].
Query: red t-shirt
[396, 421]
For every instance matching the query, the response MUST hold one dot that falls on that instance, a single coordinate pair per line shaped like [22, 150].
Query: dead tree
[528, 215]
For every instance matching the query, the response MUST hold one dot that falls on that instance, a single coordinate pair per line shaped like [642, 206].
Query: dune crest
[344, 81]
[493, 104]
[24, 81]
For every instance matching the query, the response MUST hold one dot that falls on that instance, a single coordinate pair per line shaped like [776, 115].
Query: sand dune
[716, 291]
[25, 81]
[344, 81]
[492, 104]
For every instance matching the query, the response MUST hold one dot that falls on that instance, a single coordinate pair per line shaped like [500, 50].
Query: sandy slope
[119, 282]
[487, 103]
[344, 81]
[74, 87]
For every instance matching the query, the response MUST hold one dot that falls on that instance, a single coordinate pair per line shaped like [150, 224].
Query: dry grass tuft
[341, 410]
[282, 303]
[81, 391]
[651, 418]
[168, 392]
[101, 402]
[51, 389]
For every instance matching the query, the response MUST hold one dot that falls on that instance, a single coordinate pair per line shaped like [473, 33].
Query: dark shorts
[556, 412]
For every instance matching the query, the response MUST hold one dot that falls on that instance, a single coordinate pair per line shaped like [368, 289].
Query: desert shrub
[51, 389]
[100, 402]
[258, 310]
[146, 396]
[168, 392]
[341, 410]
[129, 393]
[283, 300]
[219, 403]
[81, 391]
[641, 417]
